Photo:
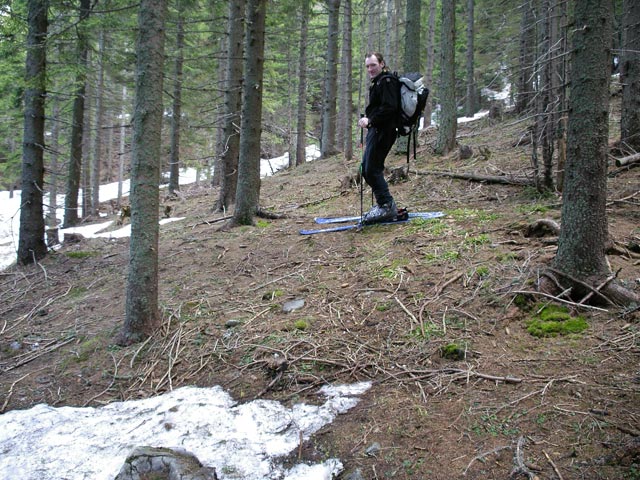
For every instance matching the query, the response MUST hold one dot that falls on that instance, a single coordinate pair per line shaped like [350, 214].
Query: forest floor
[434, 313]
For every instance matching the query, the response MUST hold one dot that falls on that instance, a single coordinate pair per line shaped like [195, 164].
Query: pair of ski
[403, 217]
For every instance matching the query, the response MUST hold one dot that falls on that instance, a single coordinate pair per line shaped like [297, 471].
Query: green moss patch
[80, 254]
[452, 351]
[554, 320]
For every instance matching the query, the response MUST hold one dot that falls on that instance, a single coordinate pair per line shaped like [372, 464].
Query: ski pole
[361, 172]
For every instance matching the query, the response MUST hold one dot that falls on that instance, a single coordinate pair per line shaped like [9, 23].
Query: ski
[355, 226]
[324, 220]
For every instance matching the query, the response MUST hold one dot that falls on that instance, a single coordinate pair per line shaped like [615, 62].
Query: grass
[473, 214]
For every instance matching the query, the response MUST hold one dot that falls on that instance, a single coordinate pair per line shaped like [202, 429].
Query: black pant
[378, 144]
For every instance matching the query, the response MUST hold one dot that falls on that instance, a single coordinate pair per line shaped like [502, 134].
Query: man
[381, 121]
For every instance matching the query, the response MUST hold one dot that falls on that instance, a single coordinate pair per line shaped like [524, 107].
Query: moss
[554, 312]
[301, 324]
[554, 320]
[80, 254]
[452, 351]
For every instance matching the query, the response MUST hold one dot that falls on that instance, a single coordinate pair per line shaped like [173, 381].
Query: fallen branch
[10, 392]
[38, 353]
[621, 162]
[518, 459]
[209, 222]
[478, 177]
[558, 299]
[555, 469]
[483, 455]
[113, 381]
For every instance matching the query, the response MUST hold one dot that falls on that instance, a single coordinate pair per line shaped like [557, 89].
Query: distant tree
[524, 88]
[141, 311]
[446, 141]
[176, 110]
[301, 141]
[228, 164]
[122, 144]
[53, 146]
[329, 108]
[412, 51]
[391, 33]
[431, 49]
[580, 259]
[31, 244]
[71, 214]
[545, 106]
[630, 76]
[559, 84]
[248, 193]
[99, 123]
[345, 120]
[470, 104]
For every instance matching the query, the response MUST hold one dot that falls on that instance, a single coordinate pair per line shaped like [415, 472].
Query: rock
[465, 152]
[293, 305]
[164, 464]
[373, 449]
[355, 475]
[52, 236]
[72, 238]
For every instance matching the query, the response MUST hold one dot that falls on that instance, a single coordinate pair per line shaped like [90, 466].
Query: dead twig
[518, 459]
[10, 392]
[555, 469]
[483, 455]
[558, 299]
[38, 353]
[601, 286]
[113, 381]
[585, 285]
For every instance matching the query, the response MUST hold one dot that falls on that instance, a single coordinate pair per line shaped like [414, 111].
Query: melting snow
[245, 441]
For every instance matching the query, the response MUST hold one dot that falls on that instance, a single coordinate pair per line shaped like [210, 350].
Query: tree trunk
[97, 146]
[228, 175]
[431, 49]
[345, 120]
[583, 235]
[31, 243]
[329, 108]
[524, 89]
[470, 104]
[142, 315]
[301, 142]
[630, 76]
[123, 144]
[176, 113]
[446, 141]
[412, 57]
[545, 90]
[559, 83]
[71, 214]
[248, 193]
[52, 216]
[390, 30]
[87, 154]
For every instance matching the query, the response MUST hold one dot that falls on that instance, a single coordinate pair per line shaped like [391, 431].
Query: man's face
[373, 66]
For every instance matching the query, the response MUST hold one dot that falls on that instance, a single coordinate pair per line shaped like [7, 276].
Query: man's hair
[378, 55]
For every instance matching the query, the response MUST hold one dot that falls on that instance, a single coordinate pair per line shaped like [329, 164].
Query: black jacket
[382, 110]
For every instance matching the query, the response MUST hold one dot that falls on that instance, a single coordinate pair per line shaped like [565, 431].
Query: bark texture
[31, 244]
[142, 315]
